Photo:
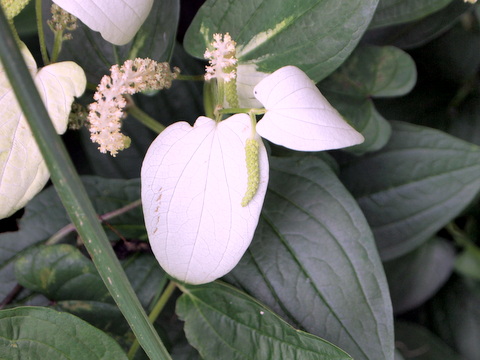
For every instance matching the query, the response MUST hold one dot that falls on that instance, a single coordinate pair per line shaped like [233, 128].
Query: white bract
[194, 179]
[193, 183]
[117, 20]
[23, 172]
[298, 116]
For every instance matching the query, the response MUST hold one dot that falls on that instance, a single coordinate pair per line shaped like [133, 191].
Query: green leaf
[45, 215]
[419, 32]
[224, 323]
[272, 34]
[42, 333]
[313, 238]
[467, 121]
[390, 12]
[60, 272]
[455, 316]
[418, 275]
[416, 342]
[369, 72]
[411, 188]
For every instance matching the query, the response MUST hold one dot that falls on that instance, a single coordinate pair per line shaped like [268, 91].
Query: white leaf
[298, 116]
[117, 20]
[247, 78]
[193, 182]
[23, 172]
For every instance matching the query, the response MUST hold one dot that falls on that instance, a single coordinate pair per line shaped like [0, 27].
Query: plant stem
[157, 309]
[73, 195]
[60, 234]
[190, 77]
[144, 118]
[57, 45]
[41, 32]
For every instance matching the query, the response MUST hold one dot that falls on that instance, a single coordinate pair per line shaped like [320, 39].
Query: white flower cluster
[105, 114]
[222, 58]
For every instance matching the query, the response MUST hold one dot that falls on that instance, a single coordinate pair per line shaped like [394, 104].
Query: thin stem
[60, 234]
[253, 111]
[41, 32]
[74, 196]
[144, 118]
[57, 45]
[190, 77]
[157, 309]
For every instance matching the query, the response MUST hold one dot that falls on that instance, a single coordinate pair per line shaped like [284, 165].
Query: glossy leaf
[417, 341]
[42, 333]
[313, 238]
[390, 12]
[193, 182]
[272, 34]
[222, 322]
[23, 172]
[418, 182]
[117, 20]
[417, 276]
[370, 71]
[298, 116]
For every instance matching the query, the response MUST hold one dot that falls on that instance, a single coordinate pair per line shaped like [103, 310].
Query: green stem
[157, 309]
[144, 118]
[60, 234]
[57, 45]
[253, 111]
[41, 32]
[73, 195]
[190, 77]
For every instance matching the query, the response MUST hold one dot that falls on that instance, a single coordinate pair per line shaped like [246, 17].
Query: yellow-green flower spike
[253, 171]
[231, 93]
[13, 7]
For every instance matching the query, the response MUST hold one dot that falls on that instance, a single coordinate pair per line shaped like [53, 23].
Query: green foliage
[348, 245]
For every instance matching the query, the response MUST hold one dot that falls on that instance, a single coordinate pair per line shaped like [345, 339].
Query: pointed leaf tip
[298, 116]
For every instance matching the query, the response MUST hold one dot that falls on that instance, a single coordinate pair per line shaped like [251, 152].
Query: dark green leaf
[369, 72]
[314, 35]
[416, 342]
[313, 260]
[224, 323]
[417, 276]
[390, 12]
[466, 124]
[421, 180]
[417, 33]
[456, 317]
[60, 272]
[42, 333]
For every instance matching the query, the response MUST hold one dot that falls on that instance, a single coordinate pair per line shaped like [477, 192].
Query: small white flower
[222, 58]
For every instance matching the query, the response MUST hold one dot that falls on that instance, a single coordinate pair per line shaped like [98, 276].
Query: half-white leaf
[298, 116]
[23, 172]
[193, 183]
[117, 20]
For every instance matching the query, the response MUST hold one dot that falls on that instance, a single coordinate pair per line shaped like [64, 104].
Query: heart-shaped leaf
[224, 323]
[298, 116]
[193, 183]
[43, 333]
[23, 172]
[117, 20]
[313, 238]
